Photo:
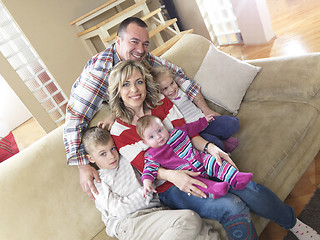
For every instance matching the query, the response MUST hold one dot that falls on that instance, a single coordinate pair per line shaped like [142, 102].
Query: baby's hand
[147, 187]
[210, 117]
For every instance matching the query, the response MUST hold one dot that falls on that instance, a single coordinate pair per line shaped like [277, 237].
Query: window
[220, 21]
[32, 71]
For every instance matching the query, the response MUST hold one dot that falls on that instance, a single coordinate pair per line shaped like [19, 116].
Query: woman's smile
[133, 91]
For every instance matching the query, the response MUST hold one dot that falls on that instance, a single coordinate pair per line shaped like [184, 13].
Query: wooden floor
[28, 133]
[296, 24]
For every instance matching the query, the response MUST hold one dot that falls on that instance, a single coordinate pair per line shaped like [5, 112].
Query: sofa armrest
[295, 78]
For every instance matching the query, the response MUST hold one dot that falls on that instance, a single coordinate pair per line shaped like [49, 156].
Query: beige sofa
[279, 137]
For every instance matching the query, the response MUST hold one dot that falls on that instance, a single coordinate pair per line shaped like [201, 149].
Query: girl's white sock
[304, 232]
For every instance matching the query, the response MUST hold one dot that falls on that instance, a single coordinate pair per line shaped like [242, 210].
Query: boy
[219, 131]
[175, 151]
[125, 214]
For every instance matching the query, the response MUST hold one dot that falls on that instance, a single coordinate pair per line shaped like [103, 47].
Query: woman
[133, 94]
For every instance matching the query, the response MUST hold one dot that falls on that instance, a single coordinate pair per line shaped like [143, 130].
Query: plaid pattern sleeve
[87, 94]
[189, 86]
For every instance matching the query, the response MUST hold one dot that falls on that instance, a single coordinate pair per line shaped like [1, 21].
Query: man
[90, 89]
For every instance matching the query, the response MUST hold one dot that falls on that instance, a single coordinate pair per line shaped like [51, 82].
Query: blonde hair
[119, 74]
[144, 122]
[156, 72]
[94, 136]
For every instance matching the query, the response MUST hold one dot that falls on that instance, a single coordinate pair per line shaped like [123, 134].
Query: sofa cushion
[42, 197]
[270, 134]
[224, 79]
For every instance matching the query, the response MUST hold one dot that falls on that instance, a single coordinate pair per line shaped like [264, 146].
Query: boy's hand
[147, 187]
[210, 117]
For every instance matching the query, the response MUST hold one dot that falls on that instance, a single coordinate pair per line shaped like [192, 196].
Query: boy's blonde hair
[143, 123]
[120, 73]
[156, 72]
[93, 137]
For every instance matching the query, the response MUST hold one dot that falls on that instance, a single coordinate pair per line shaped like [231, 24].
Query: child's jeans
[220, 129]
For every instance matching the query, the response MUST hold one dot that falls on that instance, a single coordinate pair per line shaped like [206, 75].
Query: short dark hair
[124, 24]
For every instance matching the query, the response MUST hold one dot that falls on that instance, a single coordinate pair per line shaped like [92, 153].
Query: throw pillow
[224, 80]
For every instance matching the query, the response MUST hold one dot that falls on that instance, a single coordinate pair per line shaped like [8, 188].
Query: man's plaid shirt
[90, 89]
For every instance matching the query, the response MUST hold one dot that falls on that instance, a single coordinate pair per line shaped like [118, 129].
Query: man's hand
[87, 174]
[210, 118]
[211, 112]
[201, 103]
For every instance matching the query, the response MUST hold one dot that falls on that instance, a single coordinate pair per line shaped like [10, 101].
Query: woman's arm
[199, 143]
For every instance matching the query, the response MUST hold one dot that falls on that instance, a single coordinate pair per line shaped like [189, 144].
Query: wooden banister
[144, 18]
[93, 11]
[162, 27]
[168, 44]
[111, 18]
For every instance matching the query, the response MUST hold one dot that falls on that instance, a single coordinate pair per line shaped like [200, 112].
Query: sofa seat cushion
[280, 126]
[102, 235]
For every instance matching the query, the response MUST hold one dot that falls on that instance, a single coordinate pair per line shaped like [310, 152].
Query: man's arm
[87, 94]
[201, 103]
[85, 100]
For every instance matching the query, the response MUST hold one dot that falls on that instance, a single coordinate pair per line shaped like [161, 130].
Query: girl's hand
[147, 187]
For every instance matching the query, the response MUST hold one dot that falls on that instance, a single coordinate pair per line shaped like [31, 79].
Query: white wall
[12, 110]
[254, 21]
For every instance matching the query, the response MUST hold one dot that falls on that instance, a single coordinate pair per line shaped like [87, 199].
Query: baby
[175, 151]
[219, 131]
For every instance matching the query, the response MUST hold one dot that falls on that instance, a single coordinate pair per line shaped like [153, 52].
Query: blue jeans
[233, 209]
[220, 129]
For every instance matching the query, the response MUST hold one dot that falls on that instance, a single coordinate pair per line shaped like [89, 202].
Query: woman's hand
[107, 122]
[218, 154]
[183, 179]
[87, 174]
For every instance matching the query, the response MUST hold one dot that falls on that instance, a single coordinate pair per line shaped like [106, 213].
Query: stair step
[144, 18]
[168, 44]
[111, 18]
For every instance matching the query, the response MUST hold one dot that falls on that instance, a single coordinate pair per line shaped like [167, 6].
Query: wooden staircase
[163, 33]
